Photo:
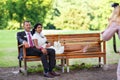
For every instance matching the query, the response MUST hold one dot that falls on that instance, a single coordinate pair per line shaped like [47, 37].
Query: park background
[57, 17]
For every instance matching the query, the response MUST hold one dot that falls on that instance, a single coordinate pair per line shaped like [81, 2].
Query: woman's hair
[35, 27]
[115, 5]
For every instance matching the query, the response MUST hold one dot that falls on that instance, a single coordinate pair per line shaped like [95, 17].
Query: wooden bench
[23, 63]
[88, 45]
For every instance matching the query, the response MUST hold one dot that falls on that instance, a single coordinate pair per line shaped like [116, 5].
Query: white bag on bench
[58, 48]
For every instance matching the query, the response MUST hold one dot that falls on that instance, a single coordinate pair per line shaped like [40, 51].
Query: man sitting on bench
[25, 38]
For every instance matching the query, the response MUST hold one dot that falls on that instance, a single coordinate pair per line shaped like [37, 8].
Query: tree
[82, 14]
[33, 10]
[3, 15]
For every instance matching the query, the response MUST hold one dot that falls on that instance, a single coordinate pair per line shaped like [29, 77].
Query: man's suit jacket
[21, 36]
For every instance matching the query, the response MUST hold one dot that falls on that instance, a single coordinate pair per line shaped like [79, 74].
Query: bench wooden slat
[74, 45]
[79, 35]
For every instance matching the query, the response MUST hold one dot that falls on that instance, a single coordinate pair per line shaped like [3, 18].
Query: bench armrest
[20, 45]
[104, 45]
[24, 50]
[101, 41]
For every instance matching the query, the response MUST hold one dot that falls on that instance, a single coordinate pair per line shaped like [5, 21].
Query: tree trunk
[20, 25]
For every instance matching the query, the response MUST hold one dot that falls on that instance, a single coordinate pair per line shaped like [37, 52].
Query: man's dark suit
[21, 36]
[32, 51]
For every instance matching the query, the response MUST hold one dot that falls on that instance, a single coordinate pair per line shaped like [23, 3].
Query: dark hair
[35, 27]
[115, 5]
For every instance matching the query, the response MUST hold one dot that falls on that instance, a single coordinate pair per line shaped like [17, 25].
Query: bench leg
[67, 63]
[68, 70]
[63, 69]
[99, 61]
[25, 67]
[104, 58]
[62, 63]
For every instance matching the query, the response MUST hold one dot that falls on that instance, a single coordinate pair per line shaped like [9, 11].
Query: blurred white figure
[113, 27]
[58, 48]
[118, 71]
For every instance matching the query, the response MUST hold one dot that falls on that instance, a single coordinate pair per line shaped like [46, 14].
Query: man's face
[27, 26]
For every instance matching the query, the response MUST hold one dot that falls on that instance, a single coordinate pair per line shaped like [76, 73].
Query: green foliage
[50, 26]
[56, 14]
[20, 10]
[3, 15]
[8, 48]
[82, 14]
[38, 68]
[81, 66]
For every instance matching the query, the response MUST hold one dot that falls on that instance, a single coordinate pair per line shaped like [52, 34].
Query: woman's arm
[39, 47]
[109, 24]
[36, 43]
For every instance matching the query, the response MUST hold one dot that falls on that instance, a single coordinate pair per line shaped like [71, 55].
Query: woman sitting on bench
[41, 43]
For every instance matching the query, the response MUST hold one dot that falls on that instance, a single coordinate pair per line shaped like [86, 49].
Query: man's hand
[48, 45]
[26, 44]
[44, 50]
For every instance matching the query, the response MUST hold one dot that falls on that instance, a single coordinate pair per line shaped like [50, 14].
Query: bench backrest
[52, 38]
[90, 42]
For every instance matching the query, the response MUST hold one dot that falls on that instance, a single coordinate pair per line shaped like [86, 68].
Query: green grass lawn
[8, 49]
